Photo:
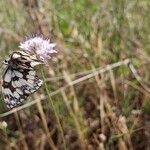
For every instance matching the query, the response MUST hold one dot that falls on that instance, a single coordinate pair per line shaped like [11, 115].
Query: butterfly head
[14, 57]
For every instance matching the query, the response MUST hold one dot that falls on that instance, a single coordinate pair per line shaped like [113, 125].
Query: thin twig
[140, 89]
[78, 74]
[138, 78]
[101, 70]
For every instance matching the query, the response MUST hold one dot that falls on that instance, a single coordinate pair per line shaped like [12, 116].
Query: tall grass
[110, 110]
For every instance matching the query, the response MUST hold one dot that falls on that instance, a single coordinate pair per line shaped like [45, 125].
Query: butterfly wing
[18, 84]
[24, 60]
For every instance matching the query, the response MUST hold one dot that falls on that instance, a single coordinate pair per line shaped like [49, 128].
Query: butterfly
[20, 79]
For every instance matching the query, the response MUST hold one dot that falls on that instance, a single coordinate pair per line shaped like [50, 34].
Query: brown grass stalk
[22, 135]
[75, 118]
[113, 83]
[75, 101]
[40, 109]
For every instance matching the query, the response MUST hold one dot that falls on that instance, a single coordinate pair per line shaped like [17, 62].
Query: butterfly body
[20, 79]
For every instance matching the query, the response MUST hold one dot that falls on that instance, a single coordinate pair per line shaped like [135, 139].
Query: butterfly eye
[5, 61]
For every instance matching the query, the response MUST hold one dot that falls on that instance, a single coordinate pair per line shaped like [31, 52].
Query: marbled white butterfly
[19, 79]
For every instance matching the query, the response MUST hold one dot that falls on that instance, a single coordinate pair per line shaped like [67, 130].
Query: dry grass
[85, 102]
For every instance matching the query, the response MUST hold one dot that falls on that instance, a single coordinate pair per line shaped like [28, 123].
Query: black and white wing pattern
[20, 79]
[18, 85]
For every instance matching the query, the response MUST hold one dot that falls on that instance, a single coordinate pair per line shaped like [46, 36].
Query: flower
[40, 46]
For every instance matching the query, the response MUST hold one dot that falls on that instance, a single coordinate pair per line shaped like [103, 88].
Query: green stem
[50, 101]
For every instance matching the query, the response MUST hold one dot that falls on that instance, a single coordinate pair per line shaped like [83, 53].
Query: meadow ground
[85, 105]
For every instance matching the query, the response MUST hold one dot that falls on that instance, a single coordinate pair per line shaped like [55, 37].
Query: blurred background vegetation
[108, 111]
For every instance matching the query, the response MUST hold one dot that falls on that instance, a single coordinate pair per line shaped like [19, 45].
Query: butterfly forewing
[19, 82]
[24, 60]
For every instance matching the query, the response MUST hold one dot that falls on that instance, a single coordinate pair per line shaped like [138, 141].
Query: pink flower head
[40, 46]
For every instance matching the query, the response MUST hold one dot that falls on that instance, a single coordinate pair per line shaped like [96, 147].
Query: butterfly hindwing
[18, 84]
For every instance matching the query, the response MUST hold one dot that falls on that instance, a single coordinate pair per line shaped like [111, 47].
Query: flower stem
[50, 101]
